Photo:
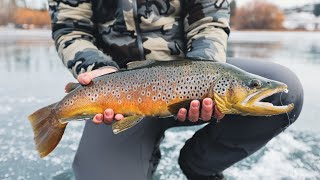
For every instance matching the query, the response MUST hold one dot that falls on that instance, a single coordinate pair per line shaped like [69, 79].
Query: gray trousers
[134, 154]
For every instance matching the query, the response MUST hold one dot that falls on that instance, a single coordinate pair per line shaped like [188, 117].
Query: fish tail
[47, 129]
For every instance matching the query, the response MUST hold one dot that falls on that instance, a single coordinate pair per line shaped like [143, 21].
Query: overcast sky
[281, 3]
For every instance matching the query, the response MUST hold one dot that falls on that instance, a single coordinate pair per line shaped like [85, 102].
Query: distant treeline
[256, 15]
[22, 17]
[31, 18]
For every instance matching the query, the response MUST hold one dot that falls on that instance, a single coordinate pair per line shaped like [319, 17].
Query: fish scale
[156, 89]
[168, 85]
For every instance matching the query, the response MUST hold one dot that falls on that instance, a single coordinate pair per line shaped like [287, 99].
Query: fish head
[240, 92]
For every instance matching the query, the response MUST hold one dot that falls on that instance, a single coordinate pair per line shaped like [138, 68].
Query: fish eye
[255, 83]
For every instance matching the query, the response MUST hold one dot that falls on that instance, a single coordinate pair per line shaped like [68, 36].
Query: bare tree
[316, 10]
[24, 3]
[7, 9]
[259, 15]
[44, 6]
[233, 10]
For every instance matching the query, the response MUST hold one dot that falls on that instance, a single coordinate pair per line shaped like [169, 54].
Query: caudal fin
[47, 129]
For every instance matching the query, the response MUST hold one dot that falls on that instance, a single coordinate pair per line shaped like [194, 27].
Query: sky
[281, 3]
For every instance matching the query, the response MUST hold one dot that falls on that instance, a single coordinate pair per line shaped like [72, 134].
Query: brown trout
[158, 89]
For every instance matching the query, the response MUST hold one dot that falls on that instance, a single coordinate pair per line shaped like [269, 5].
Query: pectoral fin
[125, 123]
[71, 86]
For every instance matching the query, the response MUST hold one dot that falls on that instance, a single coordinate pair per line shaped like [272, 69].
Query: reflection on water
[34, 57]
[253, 50]
[33, 76]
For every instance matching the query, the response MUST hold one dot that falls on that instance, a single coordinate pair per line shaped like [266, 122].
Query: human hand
[208, 110]
[85, 78]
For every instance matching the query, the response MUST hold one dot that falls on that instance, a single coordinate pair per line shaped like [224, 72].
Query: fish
[156, 89]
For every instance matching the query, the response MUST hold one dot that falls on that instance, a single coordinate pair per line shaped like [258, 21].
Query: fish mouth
[259, 107]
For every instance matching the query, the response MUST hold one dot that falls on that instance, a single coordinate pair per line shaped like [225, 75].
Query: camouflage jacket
[90, 34]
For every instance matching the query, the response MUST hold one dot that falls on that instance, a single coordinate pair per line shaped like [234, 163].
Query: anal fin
[125, 123]
[77, 118]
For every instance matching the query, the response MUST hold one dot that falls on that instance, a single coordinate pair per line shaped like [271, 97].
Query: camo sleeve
[206, 25]
[72, 30]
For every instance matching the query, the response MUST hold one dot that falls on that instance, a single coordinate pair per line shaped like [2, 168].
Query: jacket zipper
[138, 30]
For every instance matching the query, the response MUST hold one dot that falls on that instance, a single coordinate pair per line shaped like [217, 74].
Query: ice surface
[33, 76]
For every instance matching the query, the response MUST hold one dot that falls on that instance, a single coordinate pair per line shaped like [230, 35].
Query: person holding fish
[98, 37]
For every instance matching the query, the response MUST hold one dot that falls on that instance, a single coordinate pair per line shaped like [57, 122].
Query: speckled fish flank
[134, 92]
[160, 89]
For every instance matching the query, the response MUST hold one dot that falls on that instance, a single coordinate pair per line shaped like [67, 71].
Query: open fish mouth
[267, 108]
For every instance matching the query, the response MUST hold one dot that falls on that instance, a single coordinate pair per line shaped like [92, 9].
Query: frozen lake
[32, 76]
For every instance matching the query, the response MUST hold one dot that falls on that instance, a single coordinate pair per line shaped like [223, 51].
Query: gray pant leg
[219, 145]
[102, 155]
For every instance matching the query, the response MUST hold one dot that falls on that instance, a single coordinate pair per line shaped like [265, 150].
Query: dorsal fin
[71, 86]
[144, 63]
[139, 64]
[200, 59]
